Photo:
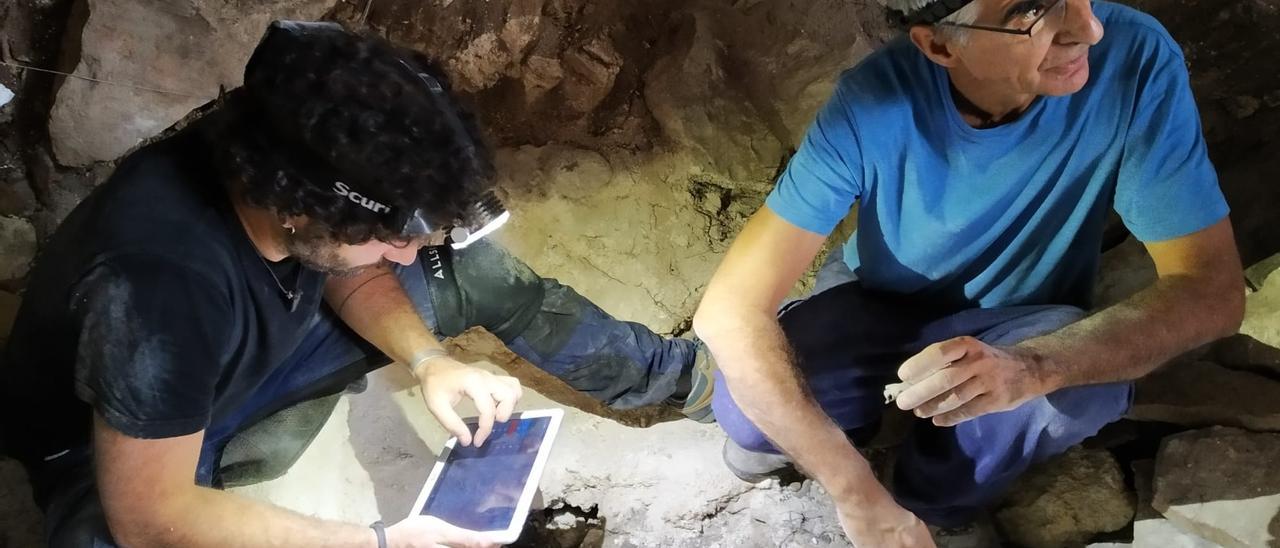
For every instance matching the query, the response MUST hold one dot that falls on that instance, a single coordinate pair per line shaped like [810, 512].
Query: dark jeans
[849, 343]
[623, 364]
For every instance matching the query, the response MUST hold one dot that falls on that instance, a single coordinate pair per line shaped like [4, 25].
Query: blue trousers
[849, 343]
[623, 364]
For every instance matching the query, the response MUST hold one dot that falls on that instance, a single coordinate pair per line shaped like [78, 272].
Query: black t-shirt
[149, 305]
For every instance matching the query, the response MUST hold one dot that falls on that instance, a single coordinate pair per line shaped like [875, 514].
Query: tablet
[489, 488]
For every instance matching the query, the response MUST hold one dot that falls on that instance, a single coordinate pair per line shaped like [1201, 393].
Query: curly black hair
[323, 108]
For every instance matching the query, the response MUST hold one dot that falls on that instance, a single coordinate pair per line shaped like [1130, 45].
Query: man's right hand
[446, 381]
[882, 525]
[433, 532]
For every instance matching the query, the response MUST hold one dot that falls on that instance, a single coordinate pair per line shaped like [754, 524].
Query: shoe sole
[753, 476]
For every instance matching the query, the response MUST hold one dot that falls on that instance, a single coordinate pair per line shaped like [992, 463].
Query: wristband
[381, 531]
[426, 355]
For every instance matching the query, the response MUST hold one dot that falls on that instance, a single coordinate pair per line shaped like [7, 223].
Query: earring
[292, 230]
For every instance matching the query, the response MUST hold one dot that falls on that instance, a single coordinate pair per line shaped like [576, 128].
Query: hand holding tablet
[488, 489]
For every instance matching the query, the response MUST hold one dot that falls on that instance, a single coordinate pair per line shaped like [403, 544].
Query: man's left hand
[446, 381]
[963, 378]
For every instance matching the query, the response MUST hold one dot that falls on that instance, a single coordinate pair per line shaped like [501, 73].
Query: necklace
[294, 297]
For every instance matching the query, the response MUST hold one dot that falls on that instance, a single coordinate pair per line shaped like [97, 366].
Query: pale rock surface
[188, 46]
[1262, 315]
[1222, 484]
[17, 247]
[1067, 500]
[1259, 272]
[658, 486]
[1150, 529]
[1200, 393]
[619, 230]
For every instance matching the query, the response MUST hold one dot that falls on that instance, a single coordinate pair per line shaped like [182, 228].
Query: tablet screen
[480, 487]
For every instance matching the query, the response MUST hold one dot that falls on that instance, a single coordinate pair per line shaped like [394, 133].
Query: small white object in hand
[5, 95]
[891, 391]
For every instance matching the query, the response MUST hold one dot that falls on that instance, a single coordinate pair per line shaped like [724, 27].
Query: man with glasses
[193, 322]
[985, 150]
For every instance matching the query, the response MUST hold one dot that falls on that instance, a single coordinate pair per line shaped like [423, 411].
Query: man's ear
[933, 46]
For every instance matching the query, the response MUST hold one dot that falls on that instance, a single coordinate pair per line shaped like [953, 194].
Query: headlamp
[487, 215]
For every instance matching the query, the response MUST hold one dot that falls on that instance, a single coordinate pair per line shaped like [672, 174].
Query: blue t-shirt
[1013, 214]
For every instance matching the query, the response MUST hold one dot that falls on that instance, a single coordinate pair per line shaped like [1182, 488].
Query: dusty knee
[483, 286]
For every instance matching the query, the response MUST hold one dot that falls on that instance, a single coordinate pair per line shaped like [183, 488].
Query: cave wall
[633, 138]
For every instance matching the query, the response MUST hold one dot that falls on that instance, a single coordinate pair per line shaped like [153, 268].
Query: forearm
[1132, 338]
[756, 361]
[208, 517]
[377, 308]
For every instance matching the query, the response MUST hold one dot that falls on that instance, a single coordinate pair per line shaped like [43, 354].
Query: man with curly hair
[199, 314]
[985, 149]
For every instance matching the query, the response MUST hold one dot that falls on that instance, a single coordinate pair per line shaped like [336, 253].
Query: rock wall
[633, 139]
[191, 48]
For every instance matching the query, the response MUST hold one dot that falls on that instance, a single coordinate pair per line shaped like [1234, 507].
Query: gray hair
[963, 16]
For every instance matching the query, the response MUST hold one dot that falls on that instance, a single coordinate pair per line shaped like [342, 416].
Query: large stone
[191, 47]
[1258, 273]
[1222, 484]
[1244, 352]
[1067, 500]
[1150, 529]
[17, 247]
[1262, 314]
[1207, 394]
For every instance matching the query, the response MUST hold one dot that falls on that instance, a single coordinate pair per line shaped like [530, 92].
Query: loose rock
[1067, 500]
[1207, 394]
[1150, 529]
[1262, 315]
[189, 47]
[1222, 484]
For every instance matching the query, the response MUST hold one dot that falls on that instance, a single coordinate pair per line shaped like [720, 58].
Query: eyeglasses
[1023, 17]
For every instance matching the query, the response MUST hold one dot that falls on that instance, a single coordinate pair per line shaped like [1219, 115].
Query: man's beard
[319, 253]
